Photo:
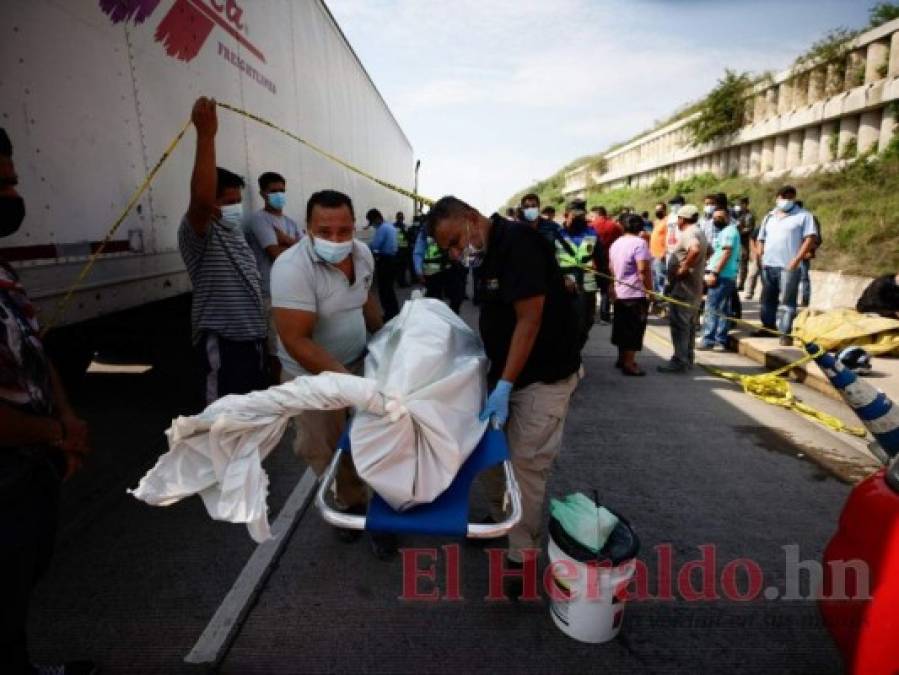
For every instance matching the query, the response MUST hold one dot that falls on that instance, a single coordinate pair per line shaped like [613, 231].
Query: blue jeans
[659, 274]
[806, 284]
[780, 288]
[717, 311]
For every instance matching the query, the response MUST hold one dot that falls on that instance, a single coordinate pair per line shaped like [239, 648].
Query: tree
[883, 12]
[722, 111]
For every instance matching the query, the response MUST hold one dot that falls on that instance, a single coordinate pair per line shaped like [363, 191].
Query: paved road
[690, 460]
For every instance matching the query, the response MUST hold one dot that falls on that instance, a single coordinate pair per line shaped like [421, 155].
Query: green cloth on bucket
[587, 523]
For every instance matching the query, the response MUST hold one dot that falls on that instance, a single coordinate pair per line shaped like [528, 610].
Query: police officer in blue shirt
[384, 247]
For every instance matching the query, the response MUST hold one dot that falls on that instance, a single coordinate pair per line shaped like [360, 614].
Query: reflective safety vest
[580, 254]
[434, 260]
[401, 241]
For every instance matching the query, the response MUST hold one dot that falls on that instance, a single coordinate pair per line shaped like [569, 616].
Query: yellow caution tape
[135, 197]
[138, 193]
[768, 387]
[328, 155]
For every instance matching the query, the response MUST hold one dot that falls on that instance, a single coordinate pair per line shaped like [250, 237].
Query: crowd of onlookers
[690, 263]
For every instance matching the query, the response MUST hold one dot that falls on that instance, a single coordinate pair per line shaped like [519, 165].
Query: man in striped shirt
[227, 317]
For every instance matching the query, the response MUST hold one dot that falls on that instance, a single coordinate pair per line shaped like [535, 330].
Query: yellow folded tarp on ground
[839, 328]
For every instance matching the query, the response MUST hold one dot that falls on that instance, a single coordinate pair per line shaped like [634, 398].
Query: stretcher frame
[351, 521]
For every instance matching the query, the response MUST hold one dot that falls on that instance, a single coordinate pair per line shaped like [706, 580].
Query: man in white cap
[686, 265]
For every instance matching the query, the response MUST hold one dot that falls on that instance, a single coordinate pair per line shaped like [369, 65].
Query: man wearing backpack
[787, 236]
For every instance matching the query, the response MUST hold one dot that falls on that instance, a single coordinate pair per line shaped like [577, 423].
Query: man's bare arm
[275, 250]
[374, 315]
[19, 428]
[643, 267]
[807, 244]
[203, 181]
[689, 260]
[295, 328]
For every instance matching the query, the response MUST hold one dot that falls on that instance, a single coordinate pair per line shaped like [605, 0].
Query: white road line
[226, 621]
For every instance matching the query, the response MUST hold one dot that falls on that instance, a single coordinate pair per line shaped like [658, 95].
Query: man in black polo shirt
[530, 330]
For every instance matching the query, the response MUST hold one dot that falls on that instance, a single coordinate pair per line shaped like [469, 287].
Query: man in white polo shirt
[324, 308]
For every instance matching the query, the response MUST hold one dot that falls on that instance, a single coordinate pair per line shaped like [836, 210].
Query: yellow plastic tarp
[839, 328]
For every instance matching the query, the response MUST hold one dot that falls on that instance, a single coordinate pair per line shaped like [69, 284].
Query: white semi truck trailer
[92, 92]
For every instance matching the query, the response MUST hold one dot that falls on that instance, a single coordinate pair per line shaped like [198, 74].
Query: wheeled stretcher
[447, 515]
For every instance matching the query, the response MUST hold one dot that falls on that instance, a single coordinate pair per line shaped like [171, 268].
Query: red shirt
[608, 230]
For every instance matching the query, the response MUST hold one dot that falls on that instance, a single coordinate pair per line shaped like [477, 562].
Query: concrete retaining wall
[810, 117]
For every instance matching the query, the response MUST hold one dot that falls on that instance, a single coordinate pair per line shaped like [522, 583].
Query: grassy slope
[858, 208]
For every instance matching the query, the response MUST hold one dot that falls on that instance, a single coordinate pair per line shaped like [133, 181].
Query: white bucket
[575, 605]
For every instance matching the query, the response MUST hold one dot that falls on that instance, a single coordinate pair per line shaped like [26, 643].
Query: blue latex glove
[497, 406]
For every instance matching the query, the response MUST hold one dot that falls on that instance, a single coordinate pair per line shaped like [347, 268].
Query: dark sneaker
[384, 546]
[763, 332]
[672, 367]
[67, 668]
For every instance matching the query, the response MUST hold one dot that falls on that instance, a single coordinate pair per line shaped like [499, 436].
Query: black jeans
[231, 366]
[403, 268]
[385, 270]
[29, 515]
[605, 302]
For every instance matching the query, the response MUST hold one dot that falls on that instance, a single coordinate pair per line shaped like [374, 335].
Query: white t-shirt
[301, 279]
[672, 235]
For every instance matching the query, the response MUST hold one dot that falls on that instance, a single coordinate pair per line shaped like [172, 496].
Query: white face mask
[332, 251]
[531, 213]
[738, 209]
[232, 215]
[709, 209]
[471, 255]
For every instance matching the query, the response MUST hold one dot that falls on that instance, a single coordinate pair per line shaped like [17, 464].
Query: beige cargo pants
[534, 432]
[316, 433]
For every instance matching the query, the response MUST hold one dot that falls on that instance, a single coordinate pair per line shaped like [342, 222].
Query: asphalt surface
[690, 460]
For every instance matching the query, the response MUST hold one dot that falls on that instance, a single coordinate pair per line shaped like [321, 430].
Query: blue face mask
[531, 213]
[332, 251]
[277, 200]
[785, 204]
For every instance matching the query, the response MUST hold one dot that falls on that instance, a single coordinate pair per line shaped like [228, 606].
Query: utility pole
[416, 205]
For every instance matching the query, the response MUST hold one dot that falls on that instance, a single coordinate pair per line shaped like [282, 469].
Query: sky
[495, 94]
